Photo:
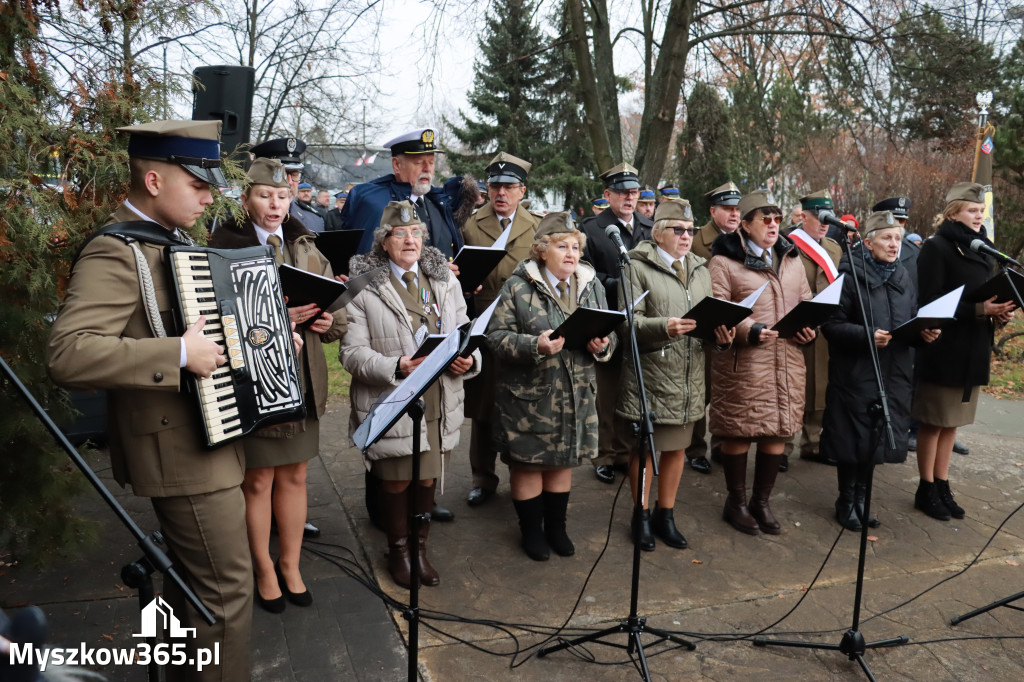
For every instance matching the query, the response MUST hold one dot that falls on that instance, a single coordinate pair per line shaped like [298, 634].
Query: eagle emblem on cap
[291, 144]
[903, 202]
[428, 136]
[687, 212]
[889, 220]
[406, 216]
[769, 197]
[278, 173]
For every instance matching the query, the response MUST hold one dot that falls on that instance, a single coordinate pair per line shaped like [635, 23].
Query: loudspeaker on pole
[225, 93]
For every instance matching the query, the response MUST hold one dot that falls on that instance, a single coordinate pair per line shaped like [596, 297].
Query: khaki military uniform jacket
[482, 228]
[102, 339]
[816, 352]
[704, 239]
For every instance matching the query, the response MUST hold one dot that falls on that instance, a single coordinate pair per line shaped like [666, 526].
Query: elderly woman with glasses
[672, 363]
[757, 389]
[415, 295]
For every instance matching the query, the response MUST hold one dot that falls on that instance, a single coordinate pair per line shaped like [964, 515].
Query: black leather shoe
[701, 465]
[297, 598]
[439, 513]
[960, 449]
[477, 496]
[784, 464]
[310, 531]
[643, 534]
[605, 474]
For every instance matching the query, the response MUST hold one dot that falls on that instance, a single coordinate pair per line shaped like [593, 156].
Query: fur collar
[468, 194]
[432, 263]
[733, 246]
[232, 235]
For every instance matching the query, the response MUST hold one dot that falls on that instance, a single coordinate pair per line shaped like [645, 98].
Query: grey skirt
[943, 405]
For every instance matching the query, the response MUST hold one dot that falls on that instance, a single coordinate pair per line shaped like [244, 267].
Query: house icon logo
[158, 615]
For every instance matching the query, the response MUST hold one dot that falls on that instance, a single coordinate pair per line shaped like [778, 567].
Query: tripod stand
[634, 625]
[853, 644]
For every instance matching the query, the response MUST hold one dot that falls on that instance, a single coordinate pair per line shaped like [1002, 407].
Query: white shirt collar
[511, 218]
[398, 271]
[754, 248]
[262, 234]
[669, 259]
[552, 279]
[145, 217]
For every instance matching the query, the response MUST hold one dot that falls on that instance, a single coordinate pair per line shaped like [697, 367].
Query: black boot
[946, 497]
[766, 469]
[736, 511]
[927, 500]
[531, 525]
[555, 506]
[374, 495]
[642, 533]
[859, 493]
[664, 526]
[846, 512]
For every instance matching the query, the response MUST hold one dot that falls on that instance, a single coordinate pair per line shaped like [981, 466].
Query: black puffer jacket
[847, 429]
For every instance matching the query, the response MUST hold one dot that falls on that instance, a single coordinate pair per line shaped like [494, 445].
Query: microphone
[829, 218]
[612, 232]
[978, 246]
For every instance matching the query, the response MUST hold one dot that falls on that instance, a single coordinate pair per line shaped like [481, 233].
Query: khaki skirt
[943, 406]
[302, 446]
[400, 468]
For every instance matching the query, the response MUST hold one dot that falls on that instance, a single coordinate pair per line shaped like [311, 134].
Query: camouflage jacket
[545, 409]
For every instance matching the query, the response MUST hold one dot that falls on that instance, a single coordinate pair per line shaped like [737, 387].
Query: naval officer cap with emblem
[898, 206]
[621, 178]
[288, 150]
[419, 141]
[193, 145]
[507, 169]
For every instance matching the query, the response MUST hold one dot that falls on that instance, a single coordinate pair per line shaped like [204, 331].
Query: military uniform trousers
[207, 539]
[480, 397]
[810, 434]
[613, 445]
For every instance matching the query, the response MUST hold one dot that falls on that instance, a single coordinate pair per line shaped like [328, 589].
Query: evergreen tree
[511, 111]
[704, 147]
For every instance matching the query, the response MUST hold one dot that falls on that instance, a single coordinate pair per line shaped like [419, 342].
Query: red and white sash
[813, 250]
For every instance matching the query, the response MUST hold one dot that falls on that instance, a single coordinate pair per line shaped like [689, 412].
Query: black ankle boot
[643, 533]
[664, 526]
[946, 497]
[927, 500]
[555, 506]
[846, 511]
[531, 524]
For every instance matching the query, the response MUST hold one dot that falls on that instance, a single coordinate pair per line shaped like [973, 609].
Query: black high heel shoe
[268, 605]
[297, 598]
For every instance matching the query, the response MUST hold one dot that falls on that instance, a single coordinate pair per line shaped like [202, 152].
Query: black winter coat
[602, 253]
[960, 356]
[846, 427]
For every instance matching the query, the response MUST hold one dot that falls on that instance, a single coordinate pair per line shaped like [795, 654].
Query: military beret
[816, 200]
[287, 149]
[507, 168]
[399, 214]
[879, 220]
[646, 195]
[559, 222]
[966, 191]
[193, 145]
[726, 195]
[419, 141]
[670, 192]
[674, 209]
[898, 206]
[600, 202]
[341, 195]
[759, 198]
[304, 185]
[267, 172]
[621, 177]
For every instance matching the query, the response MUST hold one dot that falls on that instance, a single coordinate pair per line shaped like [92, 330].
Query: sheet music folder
[811, 313]
[935, 315]
[586, 324]
[472, 335]
[711, 312]
[999, 286]
[303, 288]
[339, 246]
[476, 262]
[390, 408]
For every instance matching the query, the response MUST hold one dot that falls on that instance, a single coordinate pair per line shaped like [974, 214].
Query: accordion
[239, 292]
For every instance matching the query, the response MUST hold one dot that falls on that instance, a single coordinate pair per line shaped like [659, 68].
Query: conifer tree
[705, 147]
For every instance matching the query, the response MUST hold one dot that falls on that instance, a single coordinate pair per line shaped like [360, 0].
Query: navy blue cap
[898, 206]
[287, 149]
[646, 196]
[304, 185]
[671, 192]
[600, 202]
[341, 195]
[193, 145]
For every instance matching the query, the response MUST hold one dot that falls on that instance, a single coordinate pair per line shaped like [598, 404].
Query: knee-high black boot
[531, 525]
[860, 491]
[846, 503]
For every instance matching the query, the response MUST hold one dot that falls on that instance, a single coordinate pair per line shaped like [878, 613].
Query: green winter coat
[673, 366]
[545, 409]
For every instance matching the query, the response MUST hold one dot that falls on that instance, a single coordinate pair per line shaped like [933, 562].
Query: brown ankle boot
[425, 503]
[736, 512]
[766, 468]
[396, 516]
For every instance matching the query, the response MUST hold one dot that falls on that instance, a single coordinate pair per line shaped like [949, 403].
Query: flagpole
[982, 171]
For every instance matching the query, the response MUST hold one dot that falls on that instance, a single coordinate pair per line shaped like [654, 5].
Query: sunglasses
[773, 218]
[680, 231]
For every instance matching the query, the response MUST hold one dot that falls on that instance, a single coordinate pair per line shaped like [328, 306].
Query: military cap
[646, 195]
[914, 237]
[287, 149]
[193, 145]
[507, 168]
[759, 198]
[341, 195]
[966, 191]
[559, 222]
[419, 141]
[481, 186]
[304, 185]
[267, 172]
[898, 206]
[879, 220]
[674, 209]
[726, 195]
[670, 192]
[400, 214]
[817, 200]
[600, 202]
[621, 177]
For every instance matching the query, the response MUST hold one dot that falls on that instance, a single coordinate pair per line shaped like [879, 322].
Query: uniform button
[165, 421]
[158, 377]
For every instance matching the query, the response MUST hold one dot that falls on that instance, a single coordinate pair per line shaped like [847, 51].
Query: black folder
[811, 313]
[303, 288]
[472, 335]
[475, 263]
[586, 324]
[999, 286]
[711, 312]
[339, 246]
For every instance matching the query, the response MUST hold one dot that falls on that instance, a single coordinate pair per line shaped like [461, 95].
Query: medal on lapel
[425, 300]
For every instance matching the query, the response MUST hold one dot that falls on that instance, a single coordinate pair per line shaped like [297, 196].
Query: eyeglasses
[680, 231]
[627, 192]
[507, 186]
[402, 233]
[773, 218]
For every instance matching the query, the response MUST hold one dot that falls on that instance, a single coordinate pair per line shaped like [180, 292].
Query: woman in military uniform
[546, 406]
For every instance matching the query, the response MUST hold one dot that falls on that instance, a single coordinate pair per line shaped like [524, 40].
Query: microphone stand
[1006, 601]
[853, 643]
[634, 625]
[138, 574]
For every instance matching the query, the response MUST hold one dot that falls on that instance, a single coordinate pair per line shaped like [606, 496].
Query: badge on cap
[687, 212]
[406, 216]
[889, 220]
[428, 136]
[769, 198]
[278, 173]
[903, 202]
[291, 144]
